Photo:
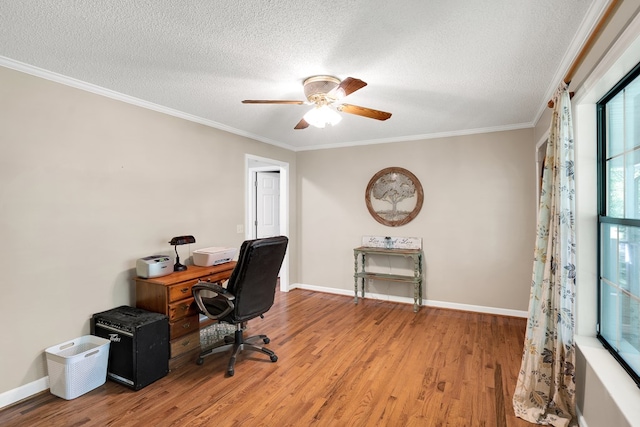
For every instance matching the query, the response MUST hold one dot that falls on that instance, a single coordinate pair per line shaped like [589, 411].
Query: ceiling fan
[324, 92]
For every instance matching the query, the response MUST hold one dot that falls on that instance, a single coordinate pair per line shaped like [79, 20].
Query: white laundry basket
[77, 366]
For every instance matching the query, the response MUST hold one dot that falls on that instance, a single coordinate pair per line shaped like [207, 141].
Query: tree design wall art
[394, 196]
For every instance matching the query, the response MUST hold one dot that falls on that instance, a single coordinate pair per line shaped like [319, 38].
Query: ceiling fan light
[322, 116]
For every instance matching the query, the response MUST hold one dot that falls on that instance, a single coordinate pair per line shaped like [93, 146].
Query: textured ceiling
[441, 66]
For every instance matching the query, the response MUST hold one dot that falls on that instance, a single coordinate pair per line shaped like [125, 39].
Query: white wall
[88, 185]
[477, 222]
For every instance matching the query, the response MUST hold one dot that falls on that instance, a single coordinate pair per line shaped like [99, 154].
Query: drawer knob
[186, 325]
[184, 290]
[186, 343]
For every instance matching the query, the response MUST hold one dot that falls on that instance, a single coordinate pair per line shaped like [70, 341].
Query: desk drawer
[181, 309]
[184, 344]
[181, 290]
[184, 326]
[216, 277]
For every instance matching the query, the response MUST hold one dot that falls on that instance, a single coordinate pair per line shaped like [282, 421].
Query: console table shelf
[360, 274]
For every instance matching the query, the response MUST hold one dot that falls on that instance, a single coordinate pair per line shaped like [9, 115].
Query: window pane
[632, 185]
[629, 338]
[615, 186]
[632, 263]
[609, 252]
[615, 126]
[609, 320]
[620, 290]
[632, 115]
[625, 257]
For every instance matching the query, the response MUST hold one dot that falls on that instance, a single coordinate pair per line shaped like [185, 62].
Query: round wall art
[394, 196]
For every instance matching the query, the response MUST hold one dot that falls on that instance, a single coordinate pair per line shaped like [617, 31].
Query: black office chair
[250, 293]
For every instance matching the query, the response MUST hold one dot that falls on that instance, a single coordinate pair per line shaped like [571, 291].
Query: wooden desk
[171, 295]
[416, 279]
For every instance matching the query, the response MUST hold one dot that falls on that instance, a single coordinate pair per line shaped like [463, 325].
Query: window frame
[602, 190]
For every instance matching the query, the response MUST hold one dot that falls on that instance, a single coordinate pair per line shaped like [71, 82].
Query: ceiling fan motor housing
[316, 88]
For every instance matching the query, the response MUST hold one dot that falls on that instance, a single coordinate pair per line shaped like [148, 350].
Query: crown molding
[98, 90]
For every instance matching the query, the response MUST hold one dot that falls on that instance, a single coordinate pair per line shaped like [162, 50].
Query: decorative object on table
[180, 240]
[394, 196]
[390, 242]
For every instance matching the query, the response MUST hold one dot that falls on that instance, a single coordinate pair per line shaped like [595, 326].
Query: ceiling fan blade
[270, 101]
[350, 85]
[362, 111]
[346, 87]
[302, 124]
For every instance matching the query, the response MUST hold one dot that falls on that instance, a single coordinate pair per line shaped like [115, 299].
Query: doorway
[267, 203]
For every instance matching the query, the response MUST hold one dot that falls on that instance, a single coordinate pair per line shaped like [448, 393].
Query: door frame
[254, 164]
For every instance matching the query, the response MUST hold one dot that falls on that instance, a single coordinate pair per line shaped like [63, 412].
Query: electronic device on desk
[207, 257]
[154, 266]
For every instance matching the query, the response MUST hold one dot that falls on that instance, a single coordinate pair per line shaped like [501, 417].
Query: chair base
[238, 343]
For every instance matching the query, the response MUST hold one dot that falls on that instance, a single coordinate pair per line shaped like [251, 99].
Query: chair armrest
[213, 287]
[221, 294]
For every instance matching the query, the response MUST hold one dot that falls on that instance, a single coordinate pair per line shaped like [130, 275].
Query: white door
[267, 204]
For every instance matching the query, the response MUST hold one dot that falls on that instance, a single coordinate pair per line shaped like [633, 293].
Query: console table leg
[420, 260]
[417, 285]
[355, 277]
[363, 276]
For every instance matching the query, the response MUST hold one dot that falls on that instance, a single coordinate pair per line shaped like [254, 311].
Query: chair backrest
[254, 279]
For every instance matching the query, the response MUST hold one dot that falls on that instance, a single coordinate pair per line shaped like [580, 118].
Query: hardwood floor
[373, 364]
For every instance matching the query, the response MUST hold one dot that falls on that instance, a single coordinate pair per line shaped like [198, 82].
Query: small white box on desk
[207, 257]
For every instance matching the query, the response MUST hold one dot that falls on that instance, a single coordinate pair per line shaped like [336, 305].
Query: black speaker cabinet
[139, 349]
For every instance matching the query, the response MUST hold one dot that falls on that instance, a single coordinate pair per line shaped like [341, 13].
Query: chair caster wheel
[266, 340]
[200, 361]
[230, 372]
[274, 358]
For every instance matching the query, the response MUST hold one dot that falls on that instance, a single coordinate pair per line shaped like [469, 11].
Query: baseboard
[581, 421]
[17, 394]
[426, 303]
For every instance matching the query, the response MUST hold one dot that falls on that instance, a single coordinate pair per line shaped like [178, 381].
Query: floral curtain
[545, 391]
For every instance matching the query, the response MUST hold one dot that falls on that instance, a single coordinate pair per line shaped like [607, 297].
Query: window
[619, 222]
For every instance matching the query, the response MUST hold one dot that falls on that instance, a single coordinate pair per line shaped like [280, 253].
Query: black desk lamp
[180, 240]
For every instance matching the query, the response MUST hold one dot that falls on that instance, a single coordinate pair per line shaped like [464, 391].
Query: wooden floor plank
[376, 363]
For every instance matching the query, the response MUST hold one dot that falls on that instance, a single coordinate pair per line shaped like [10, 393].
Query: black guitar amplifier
[139, 350]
